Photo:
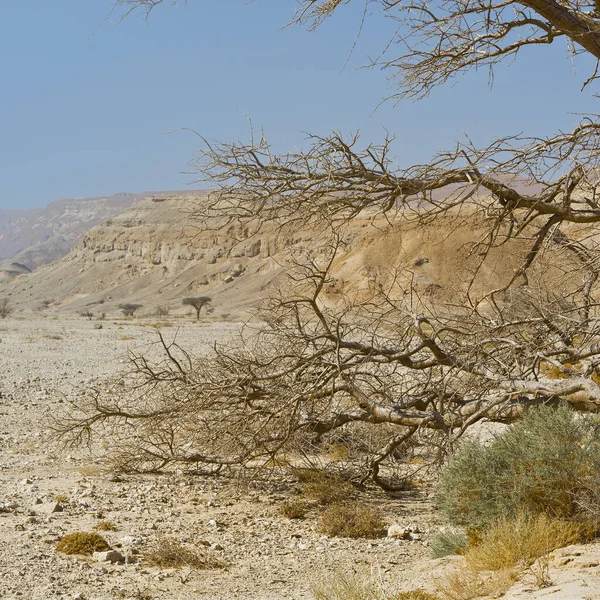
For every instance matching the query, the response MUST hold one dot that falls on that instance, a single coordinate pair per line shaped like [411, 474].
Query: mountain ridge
[30, 238]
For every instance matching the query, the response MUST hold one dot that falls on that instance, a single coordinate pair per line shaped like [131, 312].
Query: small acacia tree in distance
[129, 309]
[6, 308]
[197, 302]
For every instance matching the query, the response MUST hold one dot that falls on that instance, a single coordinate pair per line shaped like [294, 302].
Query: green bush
[543, 464]
[448, 543]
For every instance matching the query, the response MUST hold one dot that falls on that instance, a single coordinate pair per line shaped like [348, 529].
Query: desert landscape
[238, 522]
[346, 346]
[47, 492]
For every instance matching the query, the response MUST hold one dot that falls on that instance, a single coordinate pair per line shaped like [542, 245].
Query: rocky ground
[44, 362]
[45, 494]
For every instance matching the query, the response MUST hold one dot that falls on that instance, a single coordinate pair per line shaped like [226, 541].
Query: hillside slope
[155, 253]
[31, 238]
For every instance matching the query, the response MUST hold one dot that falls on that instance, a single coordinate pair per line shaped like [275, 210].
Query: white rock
[48, 508]
[398, 532]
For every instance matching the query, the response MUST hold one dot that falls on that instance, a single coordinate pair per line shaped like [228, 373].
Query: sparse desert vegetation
[197, 303]
[82, 542]
[394, 391]
[6, 308]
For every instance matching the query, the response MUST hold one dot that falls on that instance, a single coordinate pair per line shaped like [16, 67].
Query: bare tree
[197, 303]
[129, 309]
[417, 366]
[6, 308]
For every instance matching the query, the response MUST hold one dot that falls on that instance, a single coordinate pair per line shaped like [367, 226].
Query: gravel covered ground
[44, 361]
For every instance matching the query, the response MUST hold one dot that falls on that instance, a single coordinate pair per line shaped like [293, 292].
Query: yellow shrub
[351, 519]
[325, 488]
[521, 541]
[466, 584]
[81, 542]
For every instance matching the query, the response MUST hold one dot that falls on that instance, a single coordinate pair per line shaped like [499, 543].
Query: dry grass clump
[323, 487]
[351, 519]
[507, 549]
[414, 595]
[363, 586]
[81, 542]
[105, 526]
[521, 541]
[465, 584]
[293, 509]
[169, 553]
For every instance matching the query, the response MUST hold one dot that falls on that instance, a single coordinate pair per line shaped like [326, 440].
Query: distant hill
[156, 253]
[38, 236]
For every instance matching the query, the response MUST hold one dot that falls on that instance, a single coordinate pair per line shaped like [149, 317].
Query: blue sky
[89, 109]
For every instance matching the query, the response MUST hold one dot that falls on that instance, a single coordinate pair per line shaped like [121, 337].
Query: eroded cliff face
[31, 238]
[156, 253]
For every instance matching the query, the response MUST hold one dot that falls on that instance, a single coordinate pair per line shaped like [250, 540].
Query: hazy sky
[91, 109]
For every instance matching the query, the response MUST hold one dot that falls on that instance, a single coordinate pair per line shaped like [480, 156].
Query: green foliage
[540, 465]
[448, 543]
[5, 308]
[128, 310]
[197, 302]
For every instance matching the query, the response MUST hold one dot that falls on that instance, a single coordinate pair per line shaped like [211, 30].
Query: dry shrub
[169, 553]
[89, 470]
[81, 542]
[348, 587]
[540, 572]
[521, 541]
[414, 595]
[504, 551]
[363, 586]
[465, 584]
[293, 509]
[351, 519]
[323, 487]
[105, 526]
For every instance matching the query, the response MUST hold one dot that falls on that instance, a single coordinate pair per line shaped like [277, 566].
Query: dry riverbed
[44, 362]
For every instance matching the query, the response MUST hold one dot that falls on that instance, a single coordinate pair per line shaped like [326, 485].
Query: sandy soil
[44, 361]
